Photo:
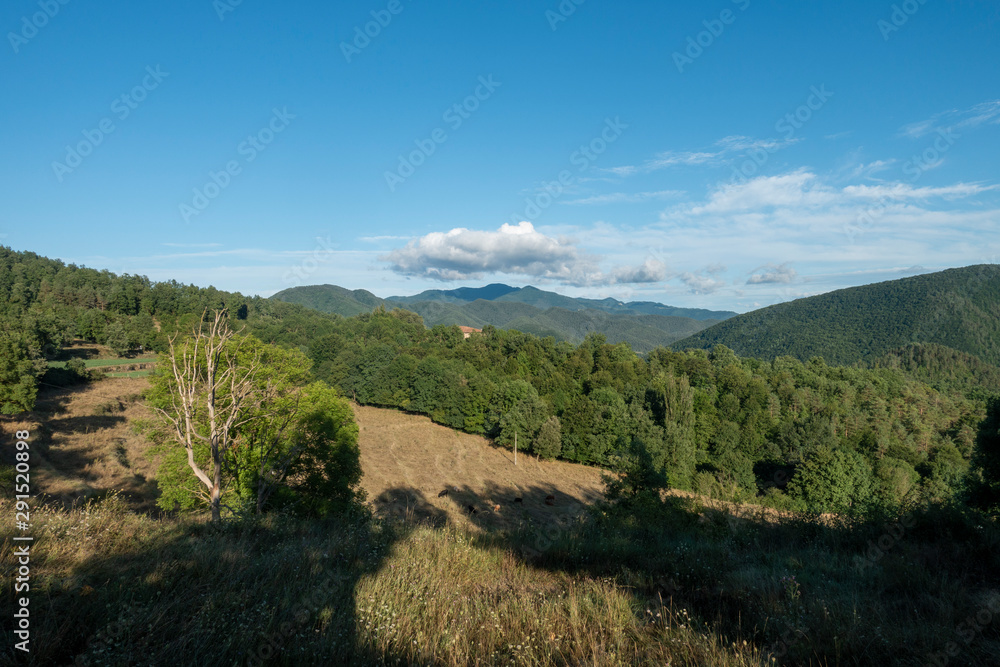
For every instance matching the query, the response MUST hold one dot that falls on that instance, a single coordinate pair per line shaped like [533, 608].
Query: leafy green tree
[248, 427]
[984, 478]
[578, 423]
[832, 481]
[680, 449]
[611, 428]
[524, 419]
[307, 460]
[19, 373]
[205, 392]
[548, 442]
[637, 478]
[119, 338]
[943, 472]
[505, 398]
[681, 456]
[735, 477]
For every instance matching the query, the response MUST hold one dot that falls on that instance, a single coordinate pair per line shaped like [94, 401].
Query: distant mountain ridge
[956, 308]
[644, 325]
[543, 299]
[332, 299]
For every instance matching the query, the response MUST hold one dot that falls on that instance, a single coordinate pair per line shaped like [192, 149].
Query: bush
[638, 480]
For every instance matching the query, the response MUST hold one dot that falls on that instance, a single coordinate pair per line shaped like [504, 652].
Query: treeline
[802, 434]
[798, 433]
[45, 303]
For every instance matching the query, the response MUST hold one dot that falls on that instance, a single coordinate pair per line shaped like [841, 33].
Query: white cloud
[870, 169]
[984, 113]
[699, 283]
[741, 144]
[918, 129]
[650, 271]
[803, 189]
[907, 191]
[799, 189]
[464, 254]
[625, 197]
[727, 147]
[781, 274]
[664, 160]
[823, 225]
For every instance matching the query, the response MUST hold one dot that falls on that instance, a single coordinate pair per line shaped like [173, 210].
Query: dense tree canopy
[957, 308]
[716, 423]
[984, 483]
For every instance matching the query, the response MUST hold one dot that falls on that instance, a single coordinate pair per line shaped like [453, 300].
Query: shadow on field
[77, 352]
[889, 588]
[285, 591]
[277, 591]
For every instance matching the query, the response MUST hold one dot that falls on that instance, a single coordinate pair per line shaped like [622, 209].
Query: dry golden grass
[408, 460]
[84, 444]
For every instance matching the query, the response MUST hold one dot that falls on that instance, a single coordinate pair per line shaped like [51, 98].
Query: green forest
[789, 433]
[801, 435]
[956, 308]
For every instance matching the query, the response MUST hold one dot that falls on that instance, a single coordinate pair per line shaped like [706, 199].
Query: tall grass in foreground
[681, 585]
[114, 588]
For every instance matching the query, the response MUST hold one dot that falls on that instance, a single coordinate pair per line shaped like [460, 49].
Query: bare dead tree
[211, 381]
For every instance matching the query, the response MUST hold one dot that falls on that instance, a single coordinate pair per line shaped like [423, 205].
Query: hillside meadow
[419, 580]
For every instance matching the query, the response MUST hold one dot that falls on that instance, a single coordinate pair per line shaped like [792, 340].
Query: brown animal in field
[550, 500]
[443, 493]
[496, 508]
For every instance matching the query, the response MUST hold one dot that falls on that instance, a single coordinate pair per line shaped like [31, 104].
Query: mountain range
[956, 308]
[645, 325]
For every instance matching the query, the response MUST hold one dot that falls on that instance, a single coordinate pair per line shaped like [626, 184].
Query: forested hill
[806, 434]
[643, 325]
[332, 299]
[944, 369]
[957, 308]
[544, 300]
[45, 303]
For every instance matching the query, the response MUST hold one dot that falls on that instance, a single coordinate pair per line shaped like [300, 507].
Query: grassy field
[129, 374]
[426, 582]
[408, 460]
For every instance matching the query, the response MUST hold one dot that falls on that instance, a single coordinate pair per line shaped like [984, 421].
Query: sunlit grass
[685, 586]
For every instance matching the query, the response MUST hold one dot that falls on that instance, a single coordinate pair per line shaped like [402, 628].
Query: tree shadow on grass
[801, 590]
[280, 590]
[284, 591]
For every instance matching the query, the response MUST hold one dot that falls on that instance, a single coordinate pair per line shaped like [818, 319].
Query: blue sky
[724, 154]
